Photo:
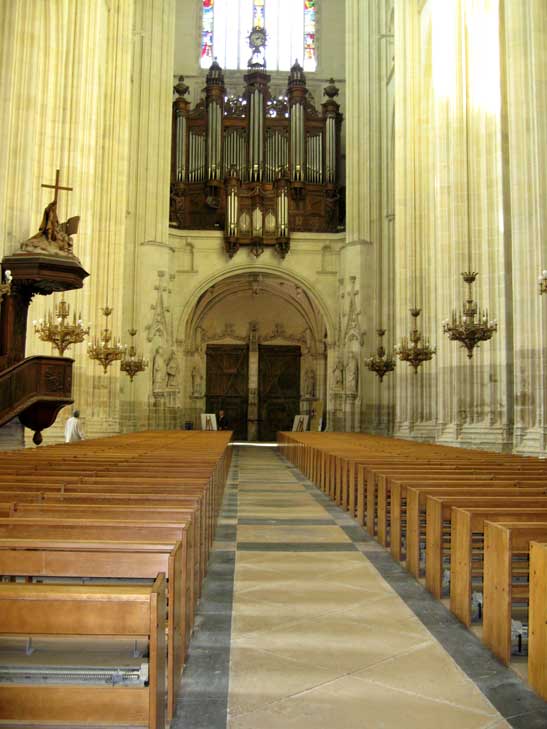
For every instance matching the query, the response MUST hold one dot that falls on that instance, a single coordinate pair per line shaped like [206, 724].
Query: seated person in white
[73, 431]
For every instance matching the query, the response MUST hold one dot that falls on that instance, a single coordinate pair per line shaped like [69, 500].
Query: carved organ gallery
[257, 166]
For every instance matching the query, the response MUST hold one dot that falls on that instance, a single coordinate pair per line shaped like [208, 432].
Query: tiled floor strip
[326, 630]
[204, 696]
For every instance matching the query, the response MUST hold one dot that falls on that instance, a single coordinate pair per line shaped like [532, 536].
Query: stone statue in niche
[159, 371]
[197, 383]
[352, 374]
[338, 376]
[172, 370]
[309, 383]
[53, 237]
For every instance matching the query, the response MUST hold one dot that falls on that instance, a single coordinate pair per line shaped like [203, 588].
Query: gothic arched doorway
[257, 350]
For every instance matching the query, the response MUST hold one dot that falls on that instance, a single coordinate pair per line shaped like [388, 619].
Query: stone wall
[461, 163]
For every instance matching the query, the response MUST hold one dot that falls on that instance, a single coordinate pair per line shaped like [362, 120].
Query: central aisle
[316, 637]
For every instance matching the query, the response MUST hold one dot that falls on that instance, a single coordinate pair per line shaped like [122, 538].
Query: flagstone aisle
[298, 629]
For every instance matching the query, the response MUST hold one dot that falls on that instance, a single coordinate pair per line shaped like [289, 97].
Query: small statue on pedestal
[338, 376]
[197, 383]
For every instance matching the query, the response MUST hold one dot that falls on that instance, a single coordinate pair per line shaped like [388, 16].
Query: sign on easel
[208, 421]
[300, 423]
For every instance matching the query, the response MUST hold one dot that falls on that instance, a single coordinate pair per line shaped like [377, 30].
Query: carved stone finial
[215, 75]
[331, 90]
[181, 88]
[296, 75]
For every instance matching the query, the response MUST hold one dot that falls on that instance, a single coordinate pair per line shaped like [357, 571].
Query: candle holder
[380, 363]
[469, 327]
[415, 349]
[102, 348]
[132, 364]
[57, 330]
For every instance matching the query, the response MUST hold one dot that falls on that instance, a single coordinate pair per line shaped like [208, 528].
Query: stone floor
[306, 622]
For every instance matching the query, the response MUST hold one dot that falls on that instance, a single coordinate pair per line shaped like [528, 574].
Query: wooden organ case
[256, 165]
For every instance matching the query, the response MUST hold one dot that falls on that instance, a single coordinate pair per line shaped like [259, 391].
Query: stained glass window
[207, 26]
[309, 32]
[290, 25]
[259, 13]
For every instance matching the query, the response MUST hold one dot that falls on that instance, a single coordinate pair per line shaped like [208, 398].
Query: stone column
[448, 209]
[66, 88]
[524, 66]
[363, 173]
[149, 256]
[405, 31]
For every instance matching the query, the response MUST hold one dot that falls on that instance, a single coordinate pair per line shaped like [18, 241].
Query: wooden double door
[227, 387]
[278, 389]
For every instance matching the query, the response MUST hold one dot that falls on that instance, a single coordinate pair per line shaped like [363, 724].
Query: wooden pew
[122, 530]
[537, 619]
[133, 489]
[185, 500]
[414, 511]
[502, 541]
[92, 611]
[152, 514]
[408, 509]
[380, 482]
[391, 490]
[438, 528]
[467, 549]
[124, 560]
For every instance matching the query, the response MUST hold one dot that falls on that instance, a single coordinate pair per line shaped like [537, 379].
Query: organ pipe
[232, 212]
[260, 144]
[214, 141]
[256, 153]
[330, 150]
[196, 166]
[256, 131]
[181, 147]
[297, 142]
[282, 218]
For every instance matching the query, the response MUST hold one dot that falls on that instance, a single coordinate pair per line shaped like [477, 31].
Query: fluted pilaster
[524, 36]
[359, 258]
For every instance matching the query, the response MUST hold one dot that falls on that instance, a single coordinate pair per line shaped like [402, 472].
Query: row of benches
[103, 551]
[472, 524]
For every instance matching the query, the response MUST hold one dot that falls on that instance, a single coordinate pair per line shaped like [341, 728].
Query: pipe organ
[257, 166]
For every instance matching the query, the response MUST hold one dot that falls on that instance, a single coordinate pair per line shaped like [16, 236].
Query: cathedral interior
[335, 211]
[340, 194]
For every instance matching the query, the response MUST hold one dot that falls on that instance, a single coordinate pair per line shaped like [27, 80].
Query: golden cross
[57, 186]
